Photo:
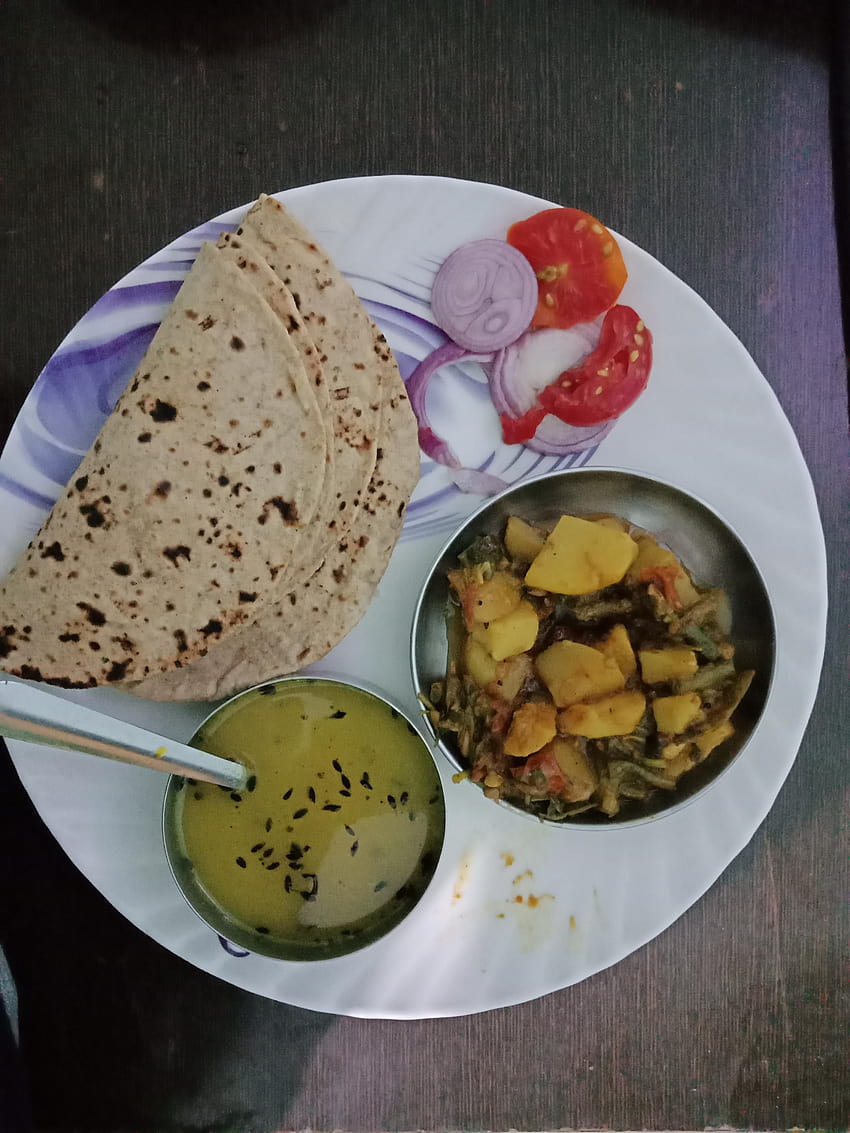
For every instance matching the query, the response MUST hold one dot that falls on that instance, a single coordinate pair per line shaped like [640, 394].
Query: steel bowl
[337, 943]
[713, 553]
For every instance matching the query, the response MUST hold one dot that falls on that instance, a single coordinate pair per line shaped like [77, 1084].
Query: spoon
[39, 717]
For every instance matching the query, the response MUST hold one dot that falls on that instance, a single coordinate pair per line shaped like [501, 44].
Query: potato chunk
[515, 633]
[679, 764]
[494, 598]
[478, 662]
[511, 675]
[682, 757]
[522, 541]
[578, 771]
[532, 727]
[667, 664]
[674, 713]
[708, 741]
[617, 646]
[616, 715]
[575, 673]
[580, 557]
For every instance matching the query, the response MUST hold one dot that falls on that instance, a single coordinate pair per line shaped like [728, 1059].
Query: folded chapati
[242, 501]
[189, 505]
[309, 619]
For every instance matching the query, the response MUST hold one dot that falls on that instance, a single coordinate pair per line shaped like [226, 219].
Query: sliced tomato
[579, 266]
[543, 768]
[605, 384]
[610, 379]
[501, 717]
[518, 430]
[666, 577]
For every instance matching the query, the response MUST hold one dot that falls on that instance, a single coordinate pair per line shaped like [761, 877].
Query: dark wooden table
[710, 134]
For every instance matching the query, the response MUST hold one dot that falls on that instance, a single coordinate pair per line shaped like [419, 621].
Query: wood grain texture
[702, 131]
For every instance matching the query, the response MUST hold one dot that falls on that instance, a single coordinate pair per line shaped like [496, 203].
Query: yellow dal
[340, 828]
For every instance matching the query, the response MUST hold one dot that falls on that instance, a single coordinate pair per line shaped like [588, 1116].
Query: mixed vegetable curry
[585, 667]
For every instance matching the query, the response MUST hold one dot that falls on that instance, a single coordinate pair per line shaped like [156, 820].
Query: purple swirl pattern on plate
[77, 389]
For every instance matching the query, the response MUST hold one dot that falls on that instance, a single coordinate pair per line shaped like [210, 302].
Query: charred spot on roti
[143, 438]
[69, 637]
[162, 489]
[81, 483]
[121, 568]
[247, 596]
[213, 626]
[287, 509]
[203, 386]
[236, 343]
[54, 551]
[207, 323]
[94, 646]
[117, 671]
[180, 638]
[223, 480]
[173, 554]
[94, 616]
[163, 411]
[94, 516]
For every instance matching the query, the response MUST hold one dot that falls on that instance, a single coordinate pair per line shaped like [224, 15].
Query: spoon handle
[40, 717]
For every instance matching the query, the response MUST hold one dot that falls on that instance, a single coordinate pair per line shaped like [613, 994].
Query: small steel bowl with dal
[336, 835]
[711, 551]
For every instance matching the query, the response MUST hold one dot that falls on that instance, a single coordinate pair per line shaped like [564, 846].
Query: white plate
[707, 422]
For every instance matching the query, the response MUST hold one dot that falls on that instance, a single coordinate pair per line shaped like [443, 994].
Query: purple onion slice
[484, 295]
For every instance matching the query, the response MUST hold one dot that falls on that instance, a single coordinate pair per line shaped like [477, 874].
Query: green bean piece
[700, 640]
[708, 676]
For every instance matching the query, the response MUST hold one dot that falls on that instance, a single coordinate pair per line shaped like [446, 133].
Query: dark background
[710, 133]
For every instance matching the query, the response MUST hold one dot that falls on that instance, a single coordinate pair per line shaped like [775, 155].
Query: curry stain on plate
[533, 915]
[461, 879]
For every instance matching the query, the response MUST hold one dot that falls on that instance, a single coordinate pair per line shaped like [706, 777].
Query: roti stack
[240, 504]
